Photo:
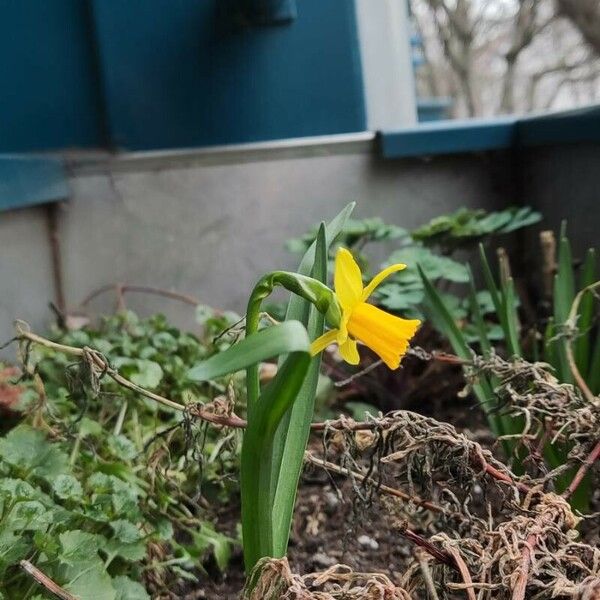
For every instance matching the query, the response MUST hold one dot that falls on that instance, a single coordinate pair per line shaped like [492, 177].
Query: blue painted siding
[146, 74]
[186, 73]
[473, 135]
[25, 181]
[49, 95]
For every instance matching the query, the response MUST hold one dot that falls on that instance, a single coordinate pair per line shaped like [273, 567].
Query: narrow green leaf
[293, 434]
[484, 342]
[269, 490]
[511, 318]
[498, 297]
[585, 318]
[442, 317]
[565, 279]
[256, 470]
[564, 294]
[288, 337]
[489, 280]
[550, 354]
[332, 230]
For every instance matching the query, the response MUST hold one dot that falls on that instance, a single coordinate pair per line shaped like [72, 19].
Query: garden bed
[468, 473]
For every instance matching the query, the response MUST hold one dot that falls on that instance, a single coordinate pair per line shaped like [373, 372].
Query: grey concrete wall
[26, 283]
[213, 229]
[210, 223]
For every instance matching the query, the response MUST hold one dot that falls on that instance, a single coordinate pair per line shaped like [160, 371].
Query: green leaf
[491, 284]
[360, 410]
[135, 551]
[126, 531]
[77, 546]
[444, 321]
[521, 217]
[564, 294]
[480, 327]
[27, 448]
[594, 372]
[121, 447]
[89, 580]
[13, 548]
[433, 265]
[89, 427]
[585, 318]
[66, 487]
[258, 513]
[164, 529]
[149, 374]
[465, 224]
[219, 544]
[127, 589]
[510, 317]
[290, 441]
[399, 297]
[288, 337]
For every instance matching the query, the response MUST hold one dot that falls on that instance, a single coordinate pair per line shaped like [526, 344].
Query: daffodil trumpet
[387, 335]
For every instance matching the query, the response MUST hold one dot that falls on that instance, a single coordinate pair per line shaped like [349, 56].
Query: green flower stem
[308, 288]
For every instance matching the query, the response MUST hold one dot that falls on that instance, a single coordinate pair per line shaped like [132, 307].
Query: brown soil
[327, 530]
[331, 526]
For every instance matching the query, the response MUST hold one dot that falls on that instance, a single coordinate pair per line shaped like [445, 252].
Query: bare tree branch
[585, 15]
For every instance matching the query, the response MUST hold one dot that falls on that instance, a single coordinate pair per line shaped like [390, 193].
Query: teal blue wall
[147, 74]
[49, 86]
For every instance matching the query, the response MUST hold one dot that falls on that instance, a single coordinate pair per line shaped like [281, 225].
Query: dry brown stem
[45, 581]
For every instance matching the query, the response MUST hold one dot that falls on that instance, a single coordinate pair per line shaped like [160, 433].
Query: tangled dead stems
[272, 579]
[488, 533]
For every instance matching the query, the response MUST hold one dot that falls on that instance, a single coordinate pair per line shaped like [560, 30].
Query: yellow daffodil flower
[388, 336]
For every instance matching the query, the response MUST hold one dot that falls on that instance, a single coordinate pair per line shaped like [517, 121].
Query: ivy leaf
[164, 529]
[89, 580]
[127, 589]
[26, 448]
[31, 515]
[149, 374]
[121, 447]
[131, 552]
[125, 531]
[77, 546]
[66, 487]
[88, 427]
[398, 297]
[207, 538]
[13, 548]
[127, 543]
[361, 410]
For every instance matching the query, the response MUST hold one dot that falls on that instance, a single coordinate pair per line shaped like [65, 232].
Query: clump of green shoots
[569, 341]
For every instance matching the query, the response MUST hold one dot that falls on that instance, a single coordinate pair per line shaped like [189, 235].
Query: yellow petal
[322, 342]
[387, 335]
[349, 352]
[379, 278]
[347, 279]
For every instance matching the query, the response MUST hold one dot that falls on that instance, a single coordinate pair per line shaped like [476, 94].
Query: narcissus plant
[280, 412]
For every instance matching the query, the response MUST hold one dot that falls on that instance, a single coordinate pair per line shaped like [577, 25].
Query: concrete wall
[210, 223]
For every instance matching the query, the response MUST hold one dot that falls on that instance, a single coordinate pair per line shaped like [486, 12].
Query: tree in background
[496, 57]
